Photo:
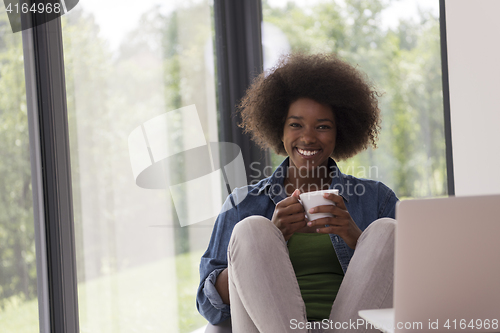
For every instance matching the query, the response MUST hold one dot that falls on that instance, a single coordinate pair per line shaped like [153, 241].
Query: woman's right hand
[289, 215]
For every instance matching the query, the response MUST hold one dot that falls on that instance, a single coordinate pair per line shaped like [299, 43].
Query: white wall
[473, 33]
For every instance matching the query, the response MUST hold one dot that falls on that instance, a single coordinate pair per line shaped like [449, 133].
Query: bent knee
[381, 228]
[385, 222]
[252, 225]
[255, 231]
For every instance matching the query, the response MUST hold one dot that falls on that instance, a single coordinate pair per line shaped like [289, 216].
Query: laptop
[447, 267]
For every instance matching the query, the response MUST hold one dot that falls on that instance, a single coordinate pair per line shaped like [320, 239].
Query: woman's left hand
[340, 224]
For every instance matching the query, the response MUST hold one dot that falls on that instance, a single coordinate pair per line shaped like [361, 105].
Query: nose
[308, 136]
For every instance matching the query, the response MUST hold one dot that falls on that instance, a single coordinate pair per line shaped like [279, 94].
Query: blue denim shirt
[366, 200]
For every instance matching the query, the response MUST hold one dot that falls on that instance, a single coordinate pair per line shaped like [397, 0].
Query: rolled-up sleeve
[209, 302]
[214, 261]
[210, 291]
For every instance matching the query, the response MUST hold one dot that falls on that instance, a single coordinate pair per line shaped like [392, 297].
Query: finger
[331, 230]
[297, 226]
[296, 193]
[334, 210]
[324, 230]
[291, 219]
[294, 208]
[288, 226]
[287, 202]
[328, 221]
[337, 199]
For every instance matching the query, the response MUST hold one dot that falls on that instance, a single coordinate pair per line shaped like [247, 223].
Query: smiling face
[309, 133]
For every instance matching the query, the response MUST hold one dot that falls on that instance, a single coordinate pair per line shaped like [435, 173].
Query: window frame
[51, 176]
[446, 99]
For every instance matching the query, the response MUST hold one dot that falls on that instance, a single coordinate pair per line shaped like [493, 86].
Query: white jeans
[264, 293]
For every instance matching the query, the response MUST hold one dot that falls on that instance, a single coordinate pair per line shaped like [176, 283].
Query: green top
[318, 272]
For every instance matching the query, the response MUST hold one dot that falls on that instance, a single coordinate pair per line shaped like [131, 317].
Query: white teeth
[307, 152]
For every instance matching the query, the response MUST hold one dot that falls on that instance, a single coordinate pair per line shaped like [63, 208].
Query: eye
[324, 127]
[294, 125]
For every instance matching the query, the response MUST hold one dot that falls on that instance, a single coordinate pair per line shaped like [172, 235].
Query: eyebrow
[318, 120]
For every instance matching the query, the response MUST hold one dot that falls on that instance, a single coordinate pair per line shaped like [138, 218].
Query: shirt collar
[278, 177]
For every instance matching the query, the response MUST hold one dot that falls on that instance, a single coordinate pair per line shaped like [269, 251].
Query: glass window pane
[18, 274]
[397, 44]
[141, 93]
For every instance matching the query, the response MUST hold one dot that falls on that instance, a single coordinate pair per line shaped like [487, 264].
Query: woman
[266, 266]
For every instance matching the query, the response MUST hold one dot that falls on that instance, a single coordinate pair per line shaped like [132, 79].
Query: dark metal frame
[446, 100]
[239, 60]
[36, 183]
[52, 194]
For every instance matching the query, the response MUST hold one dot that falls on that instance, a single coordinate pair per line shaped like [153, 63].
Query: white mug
[313, 199]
